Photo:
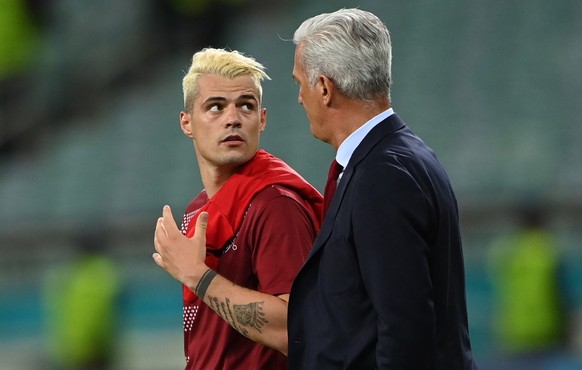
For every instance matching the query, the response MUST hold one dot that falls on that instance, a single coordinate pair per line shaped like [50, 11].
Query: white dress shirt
[349, 145]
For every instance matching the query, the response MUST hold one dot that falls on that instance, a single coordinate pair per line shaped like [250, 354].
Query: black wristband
[204, 282]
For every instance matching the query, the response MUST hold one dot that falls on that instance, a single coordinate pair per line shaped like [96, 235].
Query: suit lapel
[383, 129]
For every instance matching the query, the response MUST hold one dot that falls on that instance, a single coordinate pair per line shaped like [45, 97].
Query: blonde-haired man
[256, 216]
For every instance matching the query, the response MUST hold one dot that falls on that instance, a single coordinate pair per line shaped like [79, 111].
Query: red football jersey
[268, 251]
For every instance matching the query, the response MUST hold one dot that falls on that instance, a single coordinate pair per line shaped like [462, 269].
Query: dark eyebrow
[221, 99]
[248, 97]
[214, 99]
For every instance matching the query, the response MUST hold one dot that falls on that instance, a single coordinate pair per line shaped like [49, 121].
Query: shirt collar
[347, 148]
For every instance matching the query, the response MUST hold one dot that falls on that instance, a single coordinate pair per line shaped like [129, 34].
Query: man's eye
[214, 108]
[247, 107]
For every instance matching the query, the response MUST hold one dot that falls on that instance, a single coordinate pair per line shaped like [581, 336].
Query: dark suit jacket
[383, 286]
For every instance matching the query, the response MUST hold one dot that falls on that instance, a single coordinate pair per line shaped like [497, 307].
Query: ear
[186, 124]
[326, 88]
[263, 123]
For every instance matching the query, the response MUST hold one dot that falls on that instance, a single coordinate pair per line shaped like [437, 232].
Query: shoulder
[401, 155]
[277, 193]
[277, 204]
[278, 220]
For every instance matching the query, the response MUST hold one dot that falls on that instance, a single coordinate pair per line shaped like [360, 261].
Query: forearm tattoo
[240, 316]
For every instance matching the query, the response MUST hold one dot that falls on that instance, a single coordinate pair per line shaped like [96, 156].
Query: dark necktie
[334, 171]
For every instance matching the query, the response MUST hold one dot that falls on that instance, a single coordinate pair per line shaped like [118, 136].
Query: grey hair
[351, 47]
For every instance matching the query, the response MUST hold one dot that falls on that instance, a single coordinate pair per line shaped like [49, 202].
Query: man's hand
[181, 257]
[259, 316]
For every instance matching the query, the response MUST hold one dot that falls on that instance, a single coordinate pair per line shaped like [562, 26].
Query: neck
[213, 183]
[213, 177]
[358, 113]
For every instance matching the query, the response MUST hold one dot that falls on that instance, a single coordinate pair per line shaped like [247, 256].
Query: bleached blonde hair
[223, 63]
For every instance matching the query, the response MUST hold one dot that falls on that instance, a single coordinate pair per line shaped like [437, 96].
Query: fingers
[159, 234]
[158, 260]
[160, 225]
[164, 225]
[170, 226]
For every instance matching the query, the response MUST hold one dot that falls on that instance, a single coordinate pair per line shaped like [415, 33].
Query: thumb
[201, 225]
[200, 229]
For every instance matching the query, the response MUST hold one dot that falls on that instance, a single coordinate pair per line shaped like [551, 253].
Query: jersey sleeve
[282, 236]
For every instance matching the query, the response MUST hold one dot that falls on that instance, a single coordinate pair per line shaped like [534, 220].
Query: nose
[232, 117]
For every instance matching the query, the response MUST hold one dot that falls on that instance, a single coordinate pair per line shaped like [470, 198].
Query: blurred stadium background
[90, 143]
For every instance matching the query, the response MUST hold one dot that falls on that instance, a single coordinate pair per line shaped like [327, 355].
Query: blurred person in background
[19, 37]
[245, 236]
[19, 41]
[81, 299]
[384, 285]
[530, 319]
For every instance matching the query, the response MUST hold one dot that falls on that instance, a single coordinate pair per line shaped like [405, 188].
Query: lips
[230, 138]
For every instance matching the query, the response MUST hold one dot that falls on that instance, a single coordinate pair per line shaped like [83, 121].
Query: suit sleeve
[391, 218]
